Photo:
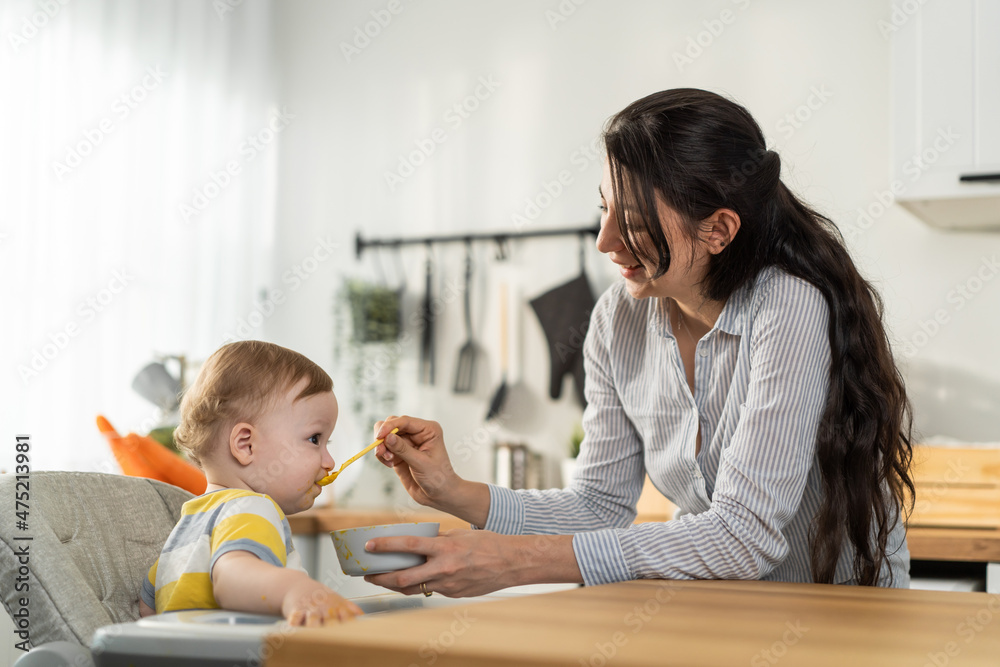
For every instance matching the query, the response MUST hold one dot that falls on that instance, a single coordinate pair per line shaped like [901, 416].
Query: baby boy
[257, 420]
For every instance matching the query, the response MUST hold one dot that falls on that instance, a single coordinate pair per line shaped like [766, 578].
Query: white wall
[558, 83]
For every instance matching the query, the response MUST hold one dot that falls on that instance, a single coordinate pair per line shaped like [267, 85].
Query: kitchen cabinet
[946, 111]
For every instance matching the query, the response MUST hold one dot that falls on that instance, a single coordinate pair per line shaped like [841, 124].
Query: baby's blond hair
[237, 383]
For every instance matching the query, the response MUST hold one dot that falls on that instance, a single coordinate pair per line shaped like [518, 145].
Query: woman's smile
[633, 272]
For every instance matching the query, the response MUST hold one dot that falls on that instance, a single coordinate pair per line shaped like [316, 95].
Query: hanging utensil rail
[500, 238]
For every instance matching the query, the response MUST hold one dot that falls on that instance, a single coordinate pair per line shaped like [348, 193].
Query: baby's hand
[312, 604]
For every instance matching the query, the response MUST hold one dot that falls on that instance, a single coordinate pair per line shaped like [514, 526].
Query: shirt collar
[731, 319]
[733, 315]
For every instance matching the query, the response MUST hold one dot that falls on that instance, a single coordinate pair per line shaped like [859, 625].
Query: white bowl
[356, 562]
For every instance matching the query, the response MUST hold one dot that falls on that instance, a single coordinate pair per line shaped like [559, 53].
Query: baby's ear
[242, 442]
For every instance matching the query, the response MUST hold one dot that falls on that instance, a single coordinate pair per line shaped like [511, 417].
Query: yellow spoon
[333, 475]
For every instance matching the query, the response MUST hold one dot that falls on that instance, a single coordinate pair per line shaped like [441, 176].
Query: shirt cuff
[600, 557]
[506, 514]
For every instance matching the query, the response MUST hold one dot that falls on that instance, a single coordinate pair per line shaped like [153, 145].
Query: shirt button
[703, 352]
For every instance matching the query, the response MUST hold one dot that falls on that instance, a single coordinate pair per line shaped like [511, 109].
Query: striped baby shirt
[211, 525]
[747, 500]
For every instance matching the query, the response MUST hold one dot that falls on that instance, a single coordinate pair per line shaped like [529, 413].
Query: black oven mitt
[564, 313]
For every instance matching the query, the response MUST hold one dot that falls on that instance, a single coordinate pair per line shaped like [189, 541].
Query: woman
[742, 364]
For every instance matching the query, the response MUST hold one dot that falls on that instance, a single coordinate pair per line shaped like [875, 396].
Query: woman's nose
[609, 238]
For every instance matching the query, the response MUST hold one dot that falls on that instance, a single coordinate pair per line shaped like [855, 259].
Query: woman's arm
[610, 469]
[471, 563]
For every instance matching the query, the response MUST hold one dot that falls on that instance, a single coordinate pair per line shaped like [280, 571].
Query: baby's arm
[243, 582]
[144, 610]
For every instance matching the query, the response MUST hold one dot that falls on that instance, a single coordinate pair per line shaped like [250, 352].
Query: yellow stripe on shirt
[192, 590]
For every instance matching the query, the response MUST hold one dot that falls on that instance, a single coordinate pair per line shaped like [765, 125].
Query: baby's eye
[314, 439]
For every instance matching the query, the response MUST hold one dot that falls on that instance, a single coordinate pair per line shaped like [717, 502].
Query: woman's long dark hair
[701, 152]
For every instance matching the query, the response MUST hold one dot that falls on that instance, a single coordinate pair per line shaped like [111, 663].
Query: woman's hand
[418, 455]
[460, 563]
[464, 563]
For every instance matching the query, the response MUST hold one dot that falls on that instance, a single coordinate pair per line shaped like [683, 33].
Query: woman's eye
[603, 207]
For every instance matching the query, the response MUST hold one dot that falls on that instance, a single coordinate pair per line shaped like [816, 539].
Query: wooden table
[640, 623]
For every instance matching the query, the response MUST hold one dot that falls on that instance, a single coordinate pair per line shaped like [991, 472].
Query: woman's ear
[720, 229]
[242, 442]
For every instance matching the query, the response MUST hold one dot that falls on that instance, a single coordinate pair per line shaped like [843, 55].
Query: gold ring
[423, 587]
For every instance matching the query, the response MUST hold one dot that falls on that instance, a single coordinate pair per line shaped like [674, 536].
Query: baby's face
[292, 450]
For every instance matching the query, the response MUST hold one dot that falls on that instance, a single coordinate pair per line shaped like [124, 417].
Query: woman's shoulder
[778, 299]
[775, 287]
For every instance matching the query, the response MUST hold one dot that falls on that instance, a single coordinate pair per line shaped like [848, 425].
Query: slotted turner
[465, 369]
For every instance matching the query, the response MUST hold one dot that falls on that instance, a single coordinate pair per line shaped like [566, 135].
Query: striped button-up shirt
[746, 501]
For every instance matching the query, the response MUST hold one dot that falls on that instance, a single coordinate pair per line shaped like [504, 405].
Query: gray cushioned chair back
[94, 537]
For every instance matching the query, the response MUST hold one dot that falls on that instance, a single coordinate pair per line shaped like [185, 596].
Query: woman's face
[680, 277]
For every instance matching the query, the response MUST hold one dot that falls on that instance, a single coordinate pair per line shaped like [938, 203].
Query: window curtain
[138, 161]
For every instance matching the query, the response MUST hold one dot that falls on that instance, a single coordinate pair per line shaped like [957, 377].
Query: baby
[257, 420]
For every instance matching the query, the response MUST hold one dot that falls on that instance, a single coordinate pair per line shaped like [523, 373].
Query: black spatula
[465, 369]
[426, 368]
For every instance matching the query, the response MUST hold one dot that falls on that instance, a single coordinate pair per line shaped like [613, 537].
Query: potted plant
[367, 328]
[375, 311]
